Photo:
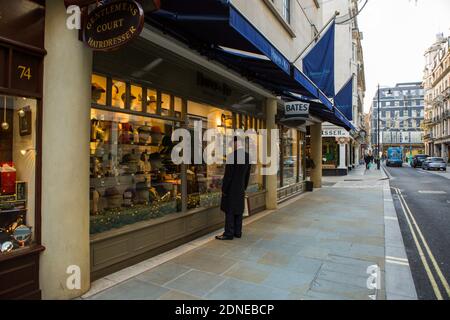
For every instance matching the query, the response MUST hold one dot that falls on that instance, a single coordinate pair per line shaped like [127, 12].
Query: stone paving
[316, 247]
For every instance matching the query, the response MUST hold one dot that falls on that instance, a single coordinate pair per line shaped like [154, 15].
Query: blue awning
[217, 30]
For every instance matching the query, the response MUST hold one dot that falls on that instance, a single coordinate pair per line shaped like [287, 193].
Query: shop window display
[204, 182]
[17, 172]
[132, 175]
[330, 151]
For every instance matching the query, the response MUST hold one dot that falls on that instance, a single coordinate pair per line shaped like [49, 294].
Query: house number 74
[25, 72]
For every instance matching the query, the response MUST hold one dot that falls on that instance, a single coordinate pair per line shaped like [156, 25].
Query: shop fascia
[217, 142]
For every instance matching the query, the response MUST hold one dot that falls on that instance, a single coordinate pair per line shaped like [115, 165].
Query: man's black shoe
[238, 236]
[223, 237]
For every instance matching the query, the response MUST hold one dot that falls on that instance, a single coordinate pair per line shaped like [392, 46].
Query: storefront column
[316, 154]
[271, 181]
[65, 159]
[444, 151]
[342, 156]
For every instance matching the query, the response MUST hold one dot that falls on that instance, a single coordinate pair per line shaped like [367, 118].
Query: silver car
[434, 163]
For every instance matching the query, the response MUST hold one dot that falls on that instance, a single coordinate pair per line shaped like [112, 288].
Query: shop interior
[17, 172]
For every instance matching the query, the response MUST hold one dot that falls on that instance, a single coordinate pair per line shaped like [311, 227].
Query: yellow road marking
[430, 253]
[434, 285]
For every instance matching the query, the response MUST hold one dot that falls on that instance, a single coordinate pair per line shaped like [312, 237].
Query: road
[422, 201]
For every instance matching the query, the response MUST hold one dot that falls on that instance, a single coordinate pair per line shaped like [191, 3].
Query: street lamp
[378, 125]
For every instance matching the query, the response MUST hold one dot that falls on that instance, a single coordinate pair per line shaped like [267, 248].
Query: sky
[396, 35]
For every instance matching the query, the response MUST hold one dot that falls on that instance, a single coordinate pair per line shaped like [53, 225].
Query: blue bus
[394, 157]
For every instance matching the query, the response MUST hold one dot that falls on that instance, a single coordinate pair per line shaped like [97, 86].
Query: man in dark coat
[234, 184]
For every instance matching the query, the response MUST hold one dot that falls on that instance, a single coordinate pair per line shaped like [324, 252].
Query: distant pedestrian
[367, 161]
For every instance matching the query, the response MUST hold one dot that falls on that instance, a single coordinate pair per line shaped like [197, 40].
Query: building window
[287, 10]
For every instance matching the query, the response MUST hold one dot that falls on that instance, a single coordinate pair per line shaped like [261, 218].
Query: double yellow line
[424, 252]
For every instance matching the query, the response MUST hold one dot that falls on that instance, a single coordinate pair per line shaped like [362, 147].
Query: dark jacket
[234, 183]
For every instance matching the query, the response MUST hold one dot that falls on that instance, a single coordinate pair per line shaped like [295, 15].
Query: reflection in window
[17, 172]
[204, 181]
[290, 148]
[132, 175]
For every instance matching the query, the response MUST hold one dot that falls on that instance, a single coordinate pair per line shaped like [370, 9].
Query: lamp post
[378, 128]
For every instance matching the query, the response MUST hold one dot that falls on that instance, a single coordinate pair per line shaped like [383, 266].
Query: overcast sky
[396, 35]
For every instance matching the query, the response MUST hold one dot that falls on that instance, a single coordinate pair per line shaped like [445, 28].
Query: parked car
[434, 163]
[418, 160]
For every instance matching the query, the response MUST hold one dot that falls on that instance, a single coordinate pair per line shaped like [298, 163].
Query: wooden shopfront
[21, 77]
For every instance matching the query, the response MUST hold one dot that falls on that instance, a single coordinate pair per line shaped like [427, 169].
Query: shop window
[289, 156]
[17, 172]
[330, 152]
[152, 101]
[98, 89]
[118, 94]
[204, 182]
[136, 98]
[132, 177]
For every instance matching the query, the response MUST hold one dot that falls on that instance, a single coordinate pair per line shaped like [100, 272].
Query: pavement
[422, 200]
[340, 242]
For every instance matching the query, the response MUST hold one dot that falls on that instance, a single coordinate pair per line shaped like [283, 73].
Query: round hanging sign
[110, 26]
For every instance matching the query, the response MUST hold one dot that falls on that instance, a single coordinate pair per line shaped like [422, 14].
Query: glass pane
[330, 151]
[178, 107]
[136, 98]
[152, 101]
[132, 176]
[290, 147]
[17, 172]
[165, 104]
[205, 181]
[98, 89]
[118, 92]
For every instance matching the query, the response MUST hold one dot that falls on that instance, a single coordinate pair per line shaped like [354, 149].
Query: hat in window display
[126, 133]
[124, 97]
[129, 196]
[144, 134]
[155, 161]
[113, 198]
[96, 92]
[131, 162]
[142, 192]
[156, 135]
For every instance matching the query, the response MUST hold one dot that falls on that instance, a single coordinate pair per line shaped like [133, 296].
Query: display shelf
[13, 211]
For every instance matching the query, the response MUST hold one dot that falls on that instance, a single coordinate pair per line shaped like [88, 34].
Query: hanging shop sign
[111, 26]
[296, 109]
